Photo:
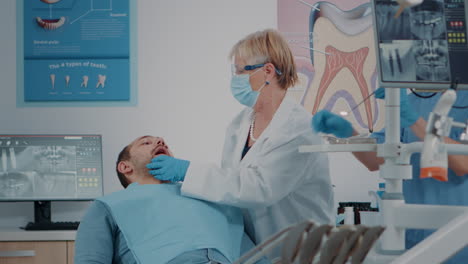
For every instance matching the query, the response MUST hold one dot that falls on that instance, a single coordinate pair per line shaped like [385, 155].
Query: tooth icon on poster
[52, 80]
[85, 81]
[67, 80]
[101, 81]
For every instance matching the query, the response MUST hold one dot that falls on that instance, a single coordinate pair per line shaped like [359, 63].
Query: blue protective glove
[167, 168]
[330, 123]
[407, 116]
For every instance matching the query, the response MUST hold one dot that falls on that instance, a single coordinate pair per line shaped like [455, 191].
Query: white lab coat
[277, 185]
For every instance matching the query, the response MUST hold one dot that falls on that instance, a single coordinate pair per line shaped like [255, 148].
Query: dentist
[262, 170]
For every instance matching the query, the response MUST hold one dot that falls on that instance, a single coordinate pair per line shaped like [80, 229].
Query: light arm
[458, 163]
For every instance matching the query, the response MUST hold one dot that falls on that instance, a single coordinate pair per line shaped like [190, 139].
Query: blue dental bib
[159, 224]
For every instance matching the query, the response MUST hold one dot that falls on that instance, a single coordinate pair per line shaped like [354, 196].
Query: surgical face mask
[242, 90]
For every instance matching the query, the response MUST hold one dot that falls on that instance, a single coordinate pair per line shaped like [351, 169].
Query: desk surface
[17, 234]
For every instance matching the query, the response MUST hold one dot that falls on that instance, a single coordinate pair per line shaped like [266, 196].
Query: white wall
[183, 92]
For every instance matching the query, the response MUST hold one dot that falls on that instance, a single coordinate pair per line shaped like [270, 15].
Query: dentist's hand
[330, 123]
[407, 116]
[167, 168]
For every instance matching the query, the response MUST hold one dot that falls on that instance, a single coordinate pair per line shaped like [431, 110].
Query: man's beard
[140, 167]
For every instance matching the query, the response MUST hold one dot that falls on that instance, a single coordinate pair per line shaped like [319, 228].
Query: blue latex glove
[330, 123]
[167, 168]
[407, 116]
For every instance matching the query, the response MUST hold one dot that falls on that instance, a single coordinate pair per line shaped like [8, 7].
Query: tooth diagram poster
[76, 50]
[333, 45]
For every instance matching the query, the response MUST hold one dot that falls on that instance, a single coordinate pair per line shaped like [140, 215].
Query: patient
[181, 229]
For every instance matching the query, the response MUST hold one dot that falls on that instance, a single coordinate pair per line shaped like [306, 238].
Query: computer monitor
[426, 47]
[44, 168]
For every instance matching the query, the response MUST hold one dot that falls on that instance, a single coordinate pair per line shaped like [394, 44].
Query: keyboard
[52, 226]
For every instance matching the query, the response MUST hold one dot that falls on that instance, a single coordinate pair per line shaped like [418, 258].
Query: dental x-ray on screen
[50, 167]
[425, 47]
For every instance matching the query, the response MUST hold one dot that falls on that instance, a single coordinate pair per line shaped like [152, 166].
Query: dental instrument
[345, 113]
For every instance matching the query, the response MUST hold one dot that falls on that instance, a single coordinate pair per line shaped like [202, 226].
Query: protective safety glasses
[238, 70]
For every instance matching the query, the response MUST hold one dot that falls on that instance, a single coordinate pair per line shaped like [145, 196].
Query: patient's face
[144, 149]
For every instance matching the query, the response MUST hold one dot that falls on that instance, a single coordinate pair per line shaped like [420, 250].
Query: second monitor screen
[427, 43]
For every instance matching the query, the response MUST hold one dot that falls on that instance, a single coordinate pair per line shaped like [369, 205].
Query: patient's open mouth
[160, 151]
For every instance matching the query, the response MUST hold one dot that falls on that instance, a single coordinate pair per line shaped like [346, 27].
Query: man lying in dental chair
[150, 222]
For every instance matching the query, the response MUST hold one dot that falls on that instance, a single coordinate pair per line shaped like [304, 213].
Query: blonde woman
[262, 170]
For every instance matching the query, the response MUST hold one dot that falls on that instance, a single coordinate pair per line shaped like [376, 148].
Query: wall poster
[76, 50]
[333, 45]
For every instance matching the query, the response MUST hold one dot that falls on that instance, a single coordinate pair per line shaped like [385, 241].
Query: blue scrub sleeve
[94, 238]
[379, 136]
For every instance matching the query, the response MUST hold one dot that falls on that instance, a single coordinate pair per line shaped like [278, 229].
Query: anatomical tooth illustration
[52, 80]
[346, 75]
[101, 81]
[67, 80]
[85, 81]
[51, 1]
[50, 24]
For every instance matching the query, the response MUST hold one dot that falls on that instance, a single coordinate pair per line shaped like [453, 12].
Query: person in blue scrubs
[150, 222]
[414, 112]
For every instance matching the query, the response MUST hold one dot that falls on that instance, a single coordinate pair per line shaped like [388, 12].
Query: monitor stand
[42, 219]
[42, 212]
[42, 215]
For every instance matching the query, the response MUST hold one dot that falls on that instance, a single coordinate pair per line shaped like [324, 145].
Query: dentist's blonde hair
[268, 46]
